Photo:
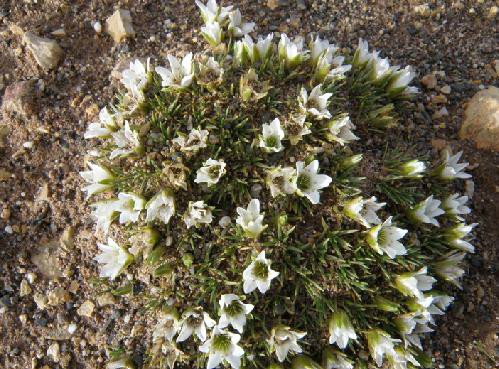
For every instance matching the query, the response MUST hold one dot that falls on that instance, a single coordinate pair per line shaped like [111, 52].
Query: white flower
[99, 179]
[263, 47]
[414, 283]
[233, 312]
[316, 103]
[113, 257]
[210, 172]
[196, 140]
[401, 359]
[209, 71]
[400, 80]
[161, 207]
[283, 340]
[222, 346]
[455, 205]
[454, 236]
[197, 213]
[168, 326]
[212, 32]
[104, 213]
[450, 168]
[361, 55]
[333, 359]
[104, 127]
[340, 329]
[127, 140]
[250, 219]
[212, 12]
[258, 275]
[281, 181]
[380, 67]
[296, 128]
[271, 137]
[364, 211]
[291, 53]
[412, 169]
[135, 78]
[309, 182]
[180, 74]
[321, 48]
[195, 321]
[380, 344]
[340, 130]
[426, 211]
[236, 26]
[338, 70]
[383, 238]
[129, 206]
[449, 268]
[412, 325]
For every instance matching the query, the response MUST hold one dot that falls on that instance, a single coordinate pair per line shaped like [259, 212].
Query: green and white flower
[334, 359]
[427, 211]
[233, 312]
[291, 53]
[129, 207]
[161, 207]
[304, 362]
[414, 283]
[209, 72]
[114, 259]
[455, 234]
[412, 169]
[309, 181]
[380, 344]
[380, 68]
[168, 325]
[258, 275]
[449, 268]
[319, 48]
[195, 321]
[197, 213]
[450, 168]
[281, 181]
[341, 329]
[105, 126]
[99, 179]
[296, 128]
[271, 137]
[250, 219]
[338, 69]
[136, 78]
[211, 172]
[384, 239]
[412, 325]
[283, 340]
[104, 213]
[401, 359]
[340, 130]
[195, 140]
[364, 210]
[127, 140]
[400, 82]
[455, 205]
[212, 32]
[361, 56]
[316, 103]
[179, 75]
[212, 12]
[237, 27]
[263, 48]
[222, 347]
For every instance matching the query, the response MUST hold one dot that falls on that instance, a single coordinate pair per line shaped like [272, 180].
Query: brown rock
[59, 296]
[86, 309]
[481, 119]
[273, 4]
[429, 81]
[47, 261]
[19, 98]
[438, 99]
[119, 25]
[46, 52]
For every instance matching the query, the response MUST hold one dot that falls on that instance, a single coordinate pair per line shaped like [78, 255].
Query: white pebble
[72, 328]
[28, 144]
[97, 26]
[8, 229]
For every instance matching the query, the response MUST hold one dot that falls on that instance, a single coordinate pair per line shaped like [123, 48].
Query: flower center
[194, 321]
[261, 270]
[271, 141]
[234, 308]
[221, 343]
[303, 182]
[214, 171]
[382, 237]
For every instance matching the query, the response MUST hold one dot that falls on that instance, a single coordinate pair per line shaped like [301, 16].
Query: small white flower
[401, 359]
[237, 27]
[309, 181]
[195, 321]
[258, 275]
[104, 213]
[340, 329]
[411, 326]
[197, 213]
[296, 128]
[455, 205]
[196, 140]
[212, 32]
[283, 340]
[361, 55]
[129, 206]
[99, 179]
[426, 211]
[211, 172]
[340, 130]
[209, 71]
[321, 48]
[338, 70]
[271, 137]
[223, 346]
[412, 169]
[380, 344]
[161, 207]
[414, 283]
[291, 53]
[383, 238]
[316, 103]
[380, 67]
[455, 234]
[449, 268]
[168, 326]
[233, 312]
[104, 127]
[263, 47]
[180, 74]
[113, 257]
[135, 78]
[250, 219]
[334, 359]
[400, 80]
[127, 140]
[281, 181]
[364, 211]
[450, 168]
[212, 12]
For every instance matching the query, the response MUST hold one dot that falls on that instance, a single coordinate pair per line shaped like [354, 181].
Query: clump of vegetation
[249, 182]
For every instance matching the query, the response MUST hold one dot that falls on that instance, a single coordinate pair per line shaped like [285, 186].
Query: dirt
[41, 197]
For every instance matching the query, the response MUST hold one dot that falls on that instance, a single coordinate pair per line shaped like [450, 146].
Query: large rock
[46, 52]
[119, 25]
[481, 119]
[19, 98]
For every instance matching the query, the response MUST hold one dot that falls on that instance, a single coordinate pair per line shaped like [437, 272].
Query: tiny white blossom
[334, 359]
[412, 325]
[104, 127]
[127, 140]
[179, 75]
[222, 347]
[340, 329]
[195, 321]
[237, 27]
[340, 130]
[291, 53]
[113, 257]
[384, 238]
[450, 168]
[211, 172]
[401, 359]
[196, 140]
[414, 283]
[271, 137]
[296, 128]
[258, 275]
[129, 207]
[197, 213]
[309, 181]
[209, 71]
[161, 207]
[104, 213]
[455, 234]
[233, 312]
[281, 181]
[316, 103]
[426, 211]
[319, 48]
[400, 80]
[99, 179]
[380, 67]
[168, 326]
[412, 169]
[264, 47]
[338, 69]
[213, 12]
[135, 78]
[449, 268]
[283, 340]
[380, 344]
[250, 219]
[455, 205]
[212, 32]
[364, 210]
[361, 55]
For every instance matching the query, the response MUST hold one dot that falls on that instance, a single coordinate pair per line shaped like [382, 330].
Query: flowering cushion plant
[235, 179]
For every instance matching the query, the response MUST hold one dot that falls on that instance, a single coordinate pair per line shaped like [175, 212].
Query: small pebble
[446, 89]
[28, 144]
[97, 26]
[8, 229]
